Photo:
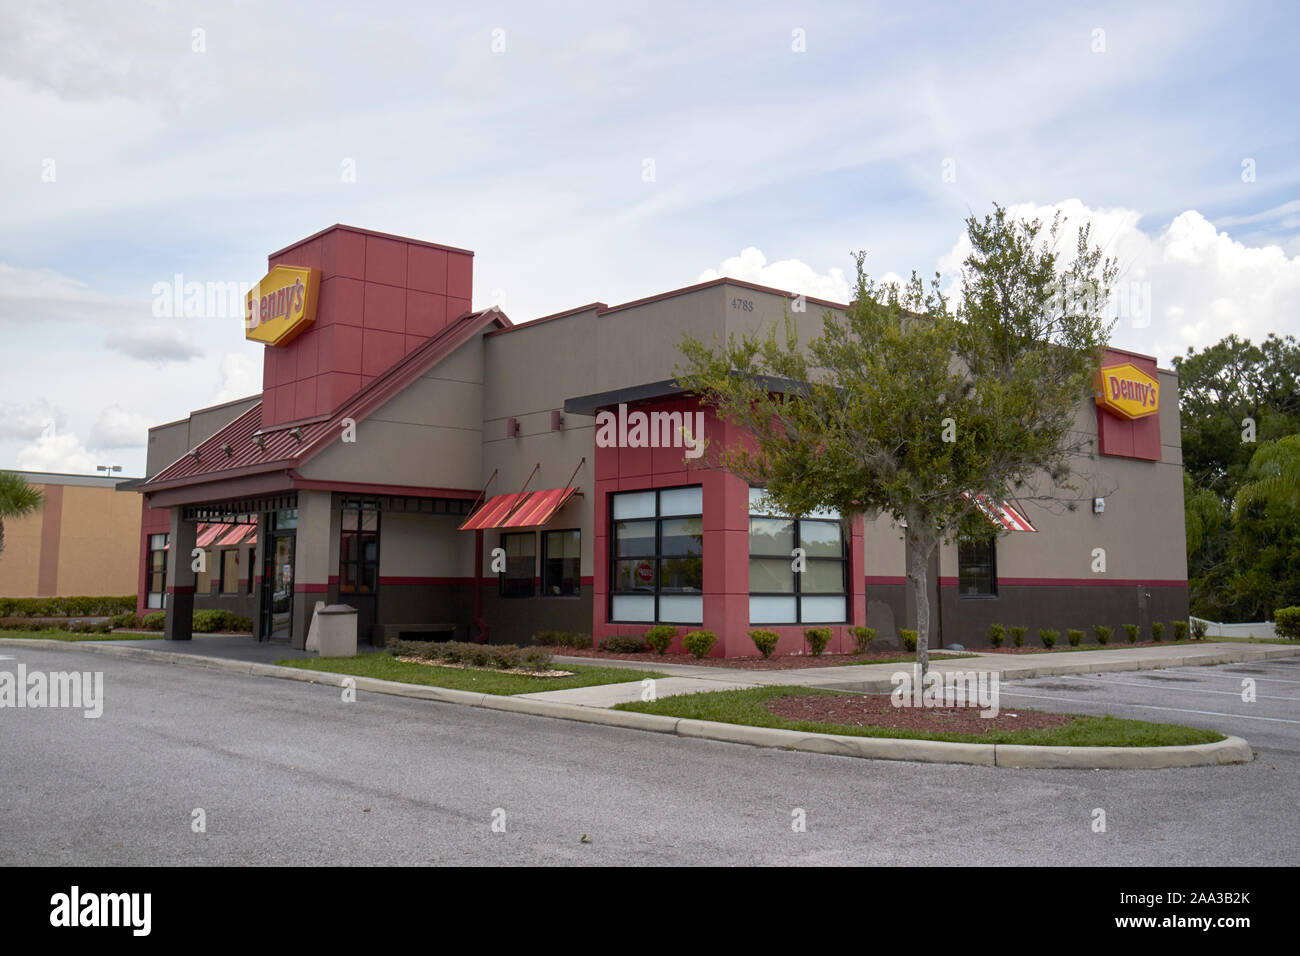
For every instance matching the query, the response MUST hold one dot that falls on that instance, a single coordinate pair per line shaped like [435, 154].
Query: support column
[181, 542]
[316, 525]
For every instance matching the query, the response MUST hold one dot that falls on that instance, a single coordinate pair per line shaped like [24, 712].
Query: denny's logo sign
[282, 305]
[1127, 391]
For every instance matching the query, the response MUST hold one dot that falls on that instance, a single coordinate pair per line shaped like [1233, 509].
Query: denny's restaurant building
[447, 472]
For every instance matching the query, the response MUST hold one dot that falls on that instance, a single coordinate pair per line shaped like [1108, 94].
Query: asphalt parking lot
[1209, 697]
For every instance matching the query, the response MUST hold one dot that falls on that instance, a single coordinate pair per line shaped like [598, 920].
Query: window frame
[577, 577]
[160, 574]
[221, 578]
[992, 544]
[502, 575]
[658, 557]
[798, 593]
[358, 562]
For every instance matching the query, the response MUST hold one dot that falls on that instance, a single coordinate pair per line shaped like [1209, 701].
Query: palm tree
[17, 500]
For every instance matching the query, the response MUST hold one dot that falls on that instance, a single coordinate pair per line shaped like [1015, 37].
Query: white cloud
[27, 420]
[789, 275]
[44, 295]
[1185, 286]
[241, 376]
[60, 452]
[119, 428]
[156, 342]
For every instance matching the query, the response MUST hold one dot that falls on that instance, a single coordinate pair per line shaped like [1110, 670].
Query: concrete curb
[1229, 751]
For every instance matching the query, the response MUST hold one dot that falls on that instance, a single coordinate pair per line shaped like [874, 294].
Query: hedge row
[501, 656]
[66, 606]
[203, 622]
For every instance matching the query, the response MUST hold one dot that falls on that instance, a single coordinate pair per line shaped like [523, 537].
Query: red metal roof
[524, 510]
[235, 450]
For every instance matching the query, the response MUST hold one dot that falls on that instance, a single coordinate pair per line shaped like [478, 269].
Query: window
[561, 562]
[521, 553]
[657, 560]
[977, 567]
[252, 554]
[203, 579]
[778, 594]
[230, 571]
[358, 548]
[157, 594]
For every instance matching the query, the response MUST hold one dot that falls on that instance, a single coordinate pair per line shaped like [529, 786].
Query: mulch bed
[754, 663]
[521, 671]
[877, 710]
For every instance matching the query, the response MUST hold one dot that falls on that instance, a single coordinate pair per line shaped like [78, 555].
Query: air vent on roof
[259, 441]
[227, 449]
[296, 432]
[195, 453]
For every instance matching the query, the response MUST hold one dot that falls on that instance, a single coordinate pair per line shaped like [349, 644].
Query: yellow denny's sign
[1127, 391]
[281, 305]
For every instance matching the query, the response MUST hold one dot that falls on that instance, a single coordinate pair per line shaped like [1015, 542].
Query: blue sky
[138, 149]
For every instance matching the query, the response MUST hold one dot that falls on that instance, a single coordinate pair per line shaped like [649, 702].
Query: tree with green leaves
[17, 500]
[914, 407]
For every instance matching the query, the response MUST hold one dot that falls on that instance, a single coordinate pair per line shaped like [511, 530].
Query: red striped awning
[238, 534]
[1003, 514]
[526, 510]
[216, 534]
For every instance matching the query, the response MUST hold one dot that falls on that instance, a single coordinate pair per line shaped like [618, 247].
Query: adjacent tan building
[83, 541]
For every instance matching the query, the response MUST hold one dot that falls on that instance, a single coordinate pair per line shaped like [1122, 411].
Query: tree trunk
[922, 548]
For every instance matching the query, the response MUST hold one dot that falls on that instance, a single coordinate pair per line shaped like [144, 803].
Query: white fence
[1254, 629]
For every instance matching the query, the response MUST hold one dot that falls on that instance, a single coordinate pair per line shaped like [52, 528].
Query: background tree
[915, 409]
[17, 500]
[1240, 549]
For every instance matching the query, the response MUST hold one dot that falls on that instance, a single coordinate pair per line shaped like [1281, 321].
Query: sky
[606, 152]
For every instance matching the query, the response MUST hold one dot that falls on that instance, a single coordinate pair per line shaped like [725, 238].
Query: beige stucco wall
[430, 434]
[97, 550]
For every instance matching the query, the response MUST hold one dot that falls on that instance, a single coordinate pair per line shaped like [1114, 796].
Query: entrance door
[277, 589]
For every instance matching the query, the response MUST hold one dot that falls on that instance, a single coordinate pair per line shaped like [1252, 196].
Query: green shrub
[1132, 631]
[237, 623]
[1048, 636]
[205, 622]
[1157, 631]
[817, 638]
[765, 641]
[66, 606]
[1018, 636]
[154, 622]
[660, 638]
[908, 638]
[1199, 629]
[535, 658]
[129, 620]
[1074, 636]
[699, 642]
[1180, 630]
[862, 638]
[561, 638]
[88, 627]
[624, 645]
[1287, 622]
[997, 634]
[1103, 633]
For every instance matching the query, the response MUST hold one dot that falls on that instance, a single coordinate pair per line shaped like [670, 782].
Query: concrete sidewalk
[876, 678]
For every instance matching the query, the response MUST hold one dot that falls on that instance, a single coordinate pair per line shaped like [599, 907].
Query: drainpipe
[481, 624]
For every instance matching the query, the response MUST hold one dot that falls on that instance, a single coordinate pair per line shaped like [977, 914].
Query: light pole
[109, 469]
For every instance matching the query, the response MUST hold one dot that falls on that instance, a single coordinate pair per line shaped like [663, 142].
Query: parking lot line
[1193, 690]
[1178, 710]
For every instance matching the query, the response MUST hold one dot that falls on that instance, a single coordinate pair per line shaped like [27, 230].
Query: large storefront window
[977, 567]
[657, 564]
[521, 563]
[157, 594]
[230, 571]
[561, 562]
[779, 594]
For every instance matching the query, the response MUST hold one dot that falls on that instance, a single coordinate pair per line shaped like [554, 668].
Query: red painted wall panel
[1129, 439]
[369, 285]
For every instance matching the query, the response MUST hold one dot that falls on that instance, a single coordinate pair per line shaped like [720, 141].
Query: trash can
[338, 631]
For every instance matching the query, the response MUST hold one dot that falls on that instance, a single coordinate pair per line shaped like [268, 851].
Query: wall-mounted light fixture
[512, 428]
[1098, 505]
